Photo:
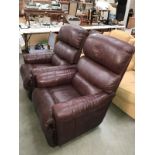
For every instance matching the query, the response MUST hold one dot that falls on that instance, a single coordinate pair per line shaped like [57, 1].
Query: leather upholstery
[79, 115]
[25, 70]
[98, 75]
[39, 58]
[44, 111]
[45, 70]
[125, 94]
[40, 70]
[73, 35]
[67, 51]
[57, 61]
[64, 93]
[43, 104]
[55, 78]
[76, 100]
[83, 86]
[27, 77]
[120, 52]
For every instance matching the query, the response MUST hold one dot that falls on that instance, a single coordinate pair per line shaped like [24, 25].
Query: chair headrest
[110, 52]
[73, 35]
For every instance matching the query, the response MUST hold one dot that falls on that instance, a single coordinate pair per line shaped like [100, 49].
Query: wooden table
[56, 14]
[33, 11]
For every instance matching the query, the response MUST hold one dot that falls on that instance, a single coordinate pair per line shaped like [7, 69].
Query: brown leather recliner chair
[69, 102]
[67, 51]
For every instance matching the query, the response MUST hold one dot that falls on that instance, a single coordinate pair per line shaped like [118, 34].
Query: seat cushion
[63, 93]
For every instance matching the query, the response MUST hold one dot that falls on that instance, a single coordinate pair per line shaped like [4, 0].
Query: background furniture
[65, 5]
[42, 30]
[93, 15]
[83, 12]
[56, 15]
[23, 3]
[71, 16]
[131, 23]
[42, 1]
[73, 8]
[67, 51]
[70, 102]
[47, 48]
[102, 19]
[83, 19]
[125, 95]
[27, 33]
[21, 7]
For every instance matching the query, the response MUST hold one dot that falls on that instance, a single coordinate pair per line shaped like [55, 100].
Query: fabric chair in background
[122, 35]
[71, 101]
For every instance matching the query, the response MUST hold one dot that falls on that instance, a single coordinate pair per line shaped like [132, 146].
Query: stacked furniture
[70, 100]
[125, 95]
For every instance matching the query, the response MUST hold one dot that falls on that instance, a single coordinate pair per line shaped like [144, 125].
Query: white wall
[132, 5]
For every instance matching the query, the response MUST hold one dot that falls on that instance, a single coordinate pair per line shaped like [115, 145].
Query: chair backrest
[69, 45]
[124, 36]
[103, 66]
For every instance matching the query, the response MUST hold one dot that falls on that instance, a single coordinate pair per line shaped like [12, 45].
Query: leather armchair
[66, 52]
[125, 94]
[72, 101]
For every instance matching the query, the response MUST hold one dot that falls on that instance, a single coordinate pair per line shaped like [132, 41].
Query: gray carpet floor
[114, 136]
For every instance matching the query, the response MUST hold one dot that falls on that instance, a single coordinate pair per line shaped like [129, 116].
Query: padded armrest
[55, 78]
[79, 115]
[37, 71]
[35, 58]
[80, 105]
